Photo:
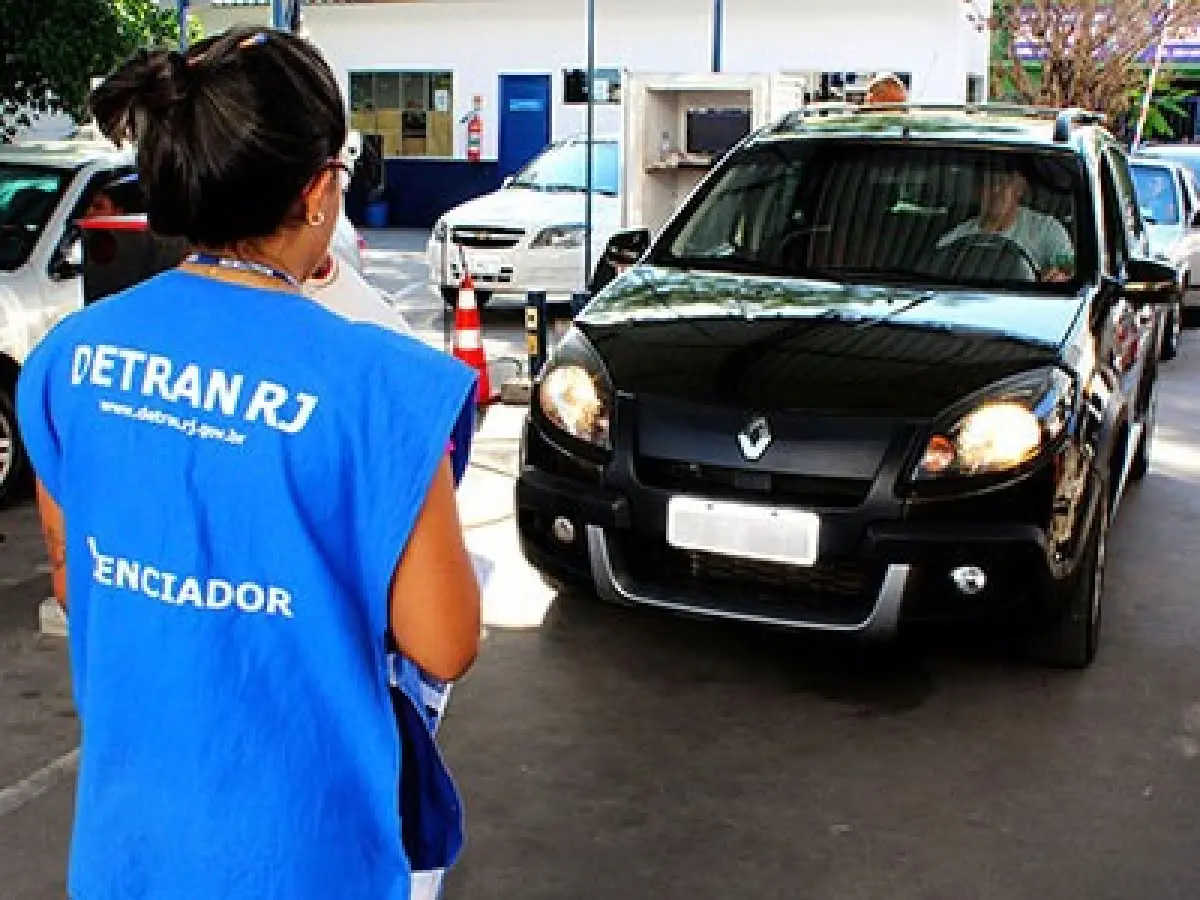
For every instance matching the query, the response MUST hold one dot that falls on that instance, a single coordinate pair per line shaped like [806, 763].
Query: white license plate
[743, 530]
[484, 265]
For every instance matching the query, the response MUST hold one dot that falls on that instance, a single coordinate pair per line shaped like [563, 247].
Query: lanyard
[243, 265]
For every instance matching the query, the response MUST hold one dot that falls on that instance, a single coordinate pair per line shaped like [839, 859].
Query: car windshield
[880, 212]
[28, 195]
[563, 166]
[1155, 186]
[1183, 156]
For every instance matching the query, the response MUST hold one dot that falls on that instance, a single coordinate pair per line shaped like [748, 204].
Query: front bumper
[512, 270]
[883, 564]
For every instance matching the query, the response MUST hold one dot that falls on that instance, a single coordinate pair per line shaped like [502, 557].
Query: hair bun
[150, 84]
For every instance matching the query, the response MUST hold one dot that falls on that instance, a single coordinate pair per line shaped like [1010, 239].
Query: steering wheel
[1008, 253]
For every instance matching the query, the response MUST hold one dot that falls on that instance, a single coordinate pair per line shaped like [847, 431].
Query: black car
[848, 388]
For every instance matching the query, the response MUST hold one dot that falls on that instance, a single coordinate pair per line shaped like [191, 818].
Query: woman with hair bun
[249, 505]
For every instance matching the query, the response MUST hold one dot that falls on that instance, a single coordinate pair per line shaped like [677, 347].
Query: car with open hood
[884, 367]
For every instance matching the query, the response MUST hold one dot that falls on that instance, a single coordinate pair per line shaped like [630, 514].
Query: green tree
[50, 50]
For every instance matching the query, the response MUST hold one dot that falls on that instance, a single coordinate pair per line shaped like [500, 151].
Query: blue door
[524, 119]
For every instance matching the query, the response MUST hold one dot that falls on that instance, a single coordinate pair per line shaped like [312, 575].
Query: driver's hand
[1055, 275]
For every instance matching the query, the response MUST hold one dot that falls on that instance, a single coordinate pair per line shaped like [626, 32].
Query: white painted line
[18, 795]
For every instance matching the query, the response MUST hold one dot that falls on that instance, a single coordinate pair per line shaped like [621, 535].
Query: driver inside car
[1041, 236]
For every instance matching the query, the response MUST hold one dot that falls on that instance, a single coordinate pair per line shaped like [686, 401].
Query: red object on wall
[474, 138]
[475, 129]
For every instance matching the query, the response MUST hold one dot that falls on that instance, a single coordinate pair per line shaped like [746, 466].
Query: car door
[1126, 329]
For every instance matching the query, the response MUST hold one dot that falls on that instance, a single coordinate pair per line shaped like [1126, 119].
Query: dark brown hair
[228, 134]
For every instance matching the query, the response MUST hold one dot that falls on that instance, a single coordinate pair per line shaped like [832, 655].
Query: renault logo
[755, 438]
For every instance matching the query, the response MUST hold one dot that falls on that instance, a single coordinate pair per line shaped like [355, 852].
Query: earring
[318, 220]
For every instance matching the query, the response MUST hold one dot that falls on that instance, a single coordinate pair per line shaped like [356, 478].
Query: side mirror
[68, 260]
[1151, 281]
[623, 250]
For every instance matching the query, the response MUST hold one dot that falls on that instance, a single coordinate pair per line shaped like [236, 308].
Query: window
[1114, 232]
[1134, 230]
[851, 86]
[28, 197]
[410, 113]
[880, 213]
[575, 88]
[1156, 194]
[562, 168]
[975, 89]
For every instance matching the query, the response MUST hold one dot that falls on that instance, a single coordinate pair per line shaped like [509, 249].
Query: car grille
[487, 238]
[720, 482]
[835, 591]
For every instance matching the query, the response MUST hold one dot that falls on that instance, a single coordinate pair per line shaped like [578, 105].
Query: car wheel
[14, 464]
[1174, 328]
[1071, 640]
[1139, 467]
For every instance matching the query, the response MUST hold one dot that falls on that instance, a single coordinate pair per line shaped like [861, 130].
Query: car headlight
[574, 394]
[439, 230]
[1002, 430]
[560, 237]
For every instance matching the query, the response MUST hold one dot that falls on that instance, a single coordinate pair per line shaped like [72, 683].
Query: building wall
[478, 39]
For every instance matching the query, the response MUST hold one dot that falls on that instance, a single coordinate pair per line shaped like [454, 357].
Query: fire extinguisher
[475, 130]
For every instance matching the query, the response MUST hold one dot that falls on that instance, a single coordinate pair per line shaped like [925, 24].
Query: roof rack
[1064, 119]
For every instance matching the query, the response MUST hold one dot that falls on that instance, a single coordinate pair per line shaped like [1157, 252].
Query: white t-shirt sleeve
[348, 294]
[1048, 241]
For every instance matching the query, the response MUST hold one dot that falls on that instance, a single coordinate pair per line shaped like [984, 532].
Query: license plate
[743, 530]
[484, 265]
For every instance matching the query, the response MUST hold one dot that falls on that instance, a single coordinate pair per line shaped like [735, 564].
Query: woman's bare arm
[435, 604]
[55, 536]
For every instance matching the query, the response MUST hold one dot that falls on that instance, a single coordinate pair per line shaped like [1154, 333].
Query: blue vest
[239, 471]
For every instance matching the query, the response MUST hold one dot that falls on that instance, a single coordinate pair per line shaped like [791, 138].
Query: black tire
[1071, 640]
[1174, 327]
[1139, 467]
[14, 463]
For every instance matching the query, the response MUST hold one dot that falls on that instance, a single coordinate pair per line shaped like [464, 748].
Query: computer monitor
[715, 131]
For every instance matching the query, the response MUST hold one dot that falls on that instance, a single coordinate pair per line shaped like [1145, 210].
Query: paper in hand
[484, 569]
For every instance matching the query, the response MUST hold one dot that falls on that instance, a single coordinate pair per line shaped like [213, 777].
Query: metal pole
[589, 165]
[535, 331]
[181, 9]
[1154, 69]
[718, 33]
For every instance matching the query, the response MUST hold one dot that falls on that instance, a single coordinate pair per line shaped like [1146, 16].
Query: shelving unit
[656, 106]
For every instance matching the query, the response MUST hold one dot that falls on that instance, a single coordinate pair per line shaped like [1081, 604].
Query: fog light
[563, 530]
[970, 580]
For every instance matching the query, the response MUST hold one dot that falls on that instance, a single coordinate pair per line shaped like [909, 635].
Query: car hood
[518, 207]
[780, 344]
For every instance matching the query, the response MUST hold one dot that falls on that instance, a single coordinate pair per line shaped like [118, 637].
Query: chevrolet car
[530, 234]
[885, 367]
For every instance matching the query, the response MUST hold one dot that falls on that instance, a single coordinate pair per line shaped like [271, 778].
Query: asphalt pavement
[614, 753]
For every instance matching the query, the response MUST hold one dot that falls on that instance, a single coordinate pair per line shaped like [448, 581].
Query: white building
[411, 69]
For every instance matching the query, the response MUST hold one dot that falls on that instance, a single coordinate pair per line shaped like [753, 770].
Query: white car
[529, 234]
[45, 187]
[1169, 200]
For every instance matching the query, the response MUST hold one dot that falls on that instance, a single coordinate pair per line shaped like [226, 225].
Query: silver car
[1169, 200]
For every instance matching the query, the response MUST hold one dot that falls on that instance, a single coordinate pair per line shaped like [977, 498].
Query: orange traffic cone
[468, 339]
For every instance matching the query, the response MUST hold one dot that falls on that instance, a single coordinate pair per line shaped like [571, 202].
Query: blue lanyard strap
[242, 265]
